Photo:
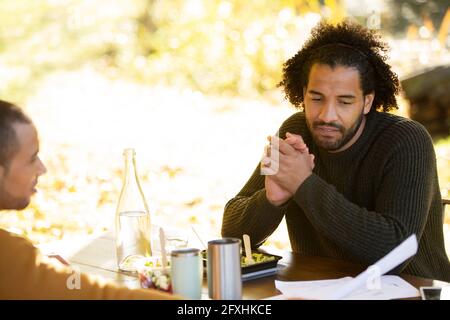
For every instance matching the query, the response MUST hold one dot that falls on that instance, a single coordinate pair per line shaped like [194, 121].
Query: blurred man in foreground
[24, 272]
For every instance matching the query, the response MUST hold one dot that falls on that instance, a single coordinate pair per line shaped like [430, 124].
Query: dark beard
[347, 134]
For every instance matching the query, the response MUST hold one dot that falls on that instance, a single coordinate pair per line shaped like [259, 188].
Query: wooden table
[97, 256]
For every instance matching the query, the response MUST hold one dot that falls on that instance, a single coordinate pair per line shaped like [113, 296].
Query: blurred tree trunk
[429, 95]
[146, 26]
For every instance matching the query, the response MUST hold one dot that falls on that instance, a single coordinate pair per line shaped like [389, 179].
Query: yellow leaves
[193, 220]
[335, 11]
[444, 28]
[194, 202]
[171, 172]
[58, 185]
[37, 212]
[102, 199]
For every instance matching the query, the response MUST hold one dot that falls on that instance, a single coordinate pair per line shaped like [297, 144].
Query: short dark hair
[347, 44]
[9, 144]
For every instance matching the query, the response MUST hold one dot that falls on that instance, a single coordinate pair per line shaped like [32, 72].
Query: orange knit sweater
[25, 274]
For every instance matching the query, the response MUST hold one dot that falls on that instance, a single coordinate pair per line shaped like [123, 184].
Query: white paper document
[368, 285]
[391, 287]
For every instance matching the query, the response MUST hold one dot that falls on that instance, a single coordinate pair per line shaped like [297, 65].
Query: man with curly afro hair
[352, 180]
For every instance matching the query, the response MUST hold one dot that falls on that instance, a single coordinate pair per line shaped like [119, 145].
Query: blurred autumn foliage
[178, 80]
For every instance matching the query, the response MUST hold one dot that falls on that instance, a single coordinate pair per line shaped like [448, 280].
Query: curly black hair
[347, 44]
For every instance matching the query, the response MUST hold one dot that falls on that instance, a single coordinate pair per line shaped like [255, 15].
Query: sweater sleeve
[25, 274]
[402, 201]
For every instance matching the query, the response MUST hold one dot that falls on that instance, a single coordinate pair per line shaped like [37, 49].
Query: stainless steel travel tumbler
[187, 273]
[224, 269]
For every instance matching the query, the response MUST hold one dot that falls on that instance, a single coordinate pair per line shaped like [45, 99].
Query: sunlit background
[192, 86]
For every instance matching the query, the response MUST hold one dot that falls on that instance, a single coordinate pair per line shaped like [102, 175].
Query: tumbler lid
[185, 252]
[224, 241]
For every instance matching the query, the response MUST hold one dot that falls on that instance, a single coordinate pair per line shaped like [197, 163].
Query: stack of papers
[368, 285]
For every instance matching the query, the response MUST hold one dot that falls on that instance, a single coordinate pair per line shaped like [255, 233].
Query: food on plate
[152, 275]
[257, 258]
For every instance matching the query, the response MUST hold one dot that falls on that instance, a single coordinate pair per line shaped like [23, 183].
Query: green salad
[257, 258]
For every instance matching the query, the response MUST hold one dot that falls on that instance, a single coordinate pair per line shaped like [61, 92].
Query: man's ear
[368, 100]
[2, 172]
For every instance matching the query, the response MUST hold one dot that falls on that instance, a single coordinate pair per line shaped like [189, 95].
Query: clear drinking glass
[175, 238]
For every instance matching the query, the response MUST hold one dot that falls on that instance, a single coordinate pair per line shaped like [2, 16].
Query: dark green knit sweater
[359, 203]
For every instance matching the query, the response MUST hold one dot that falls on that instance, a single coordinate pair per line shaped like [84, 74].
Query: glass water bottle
[132, 219]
